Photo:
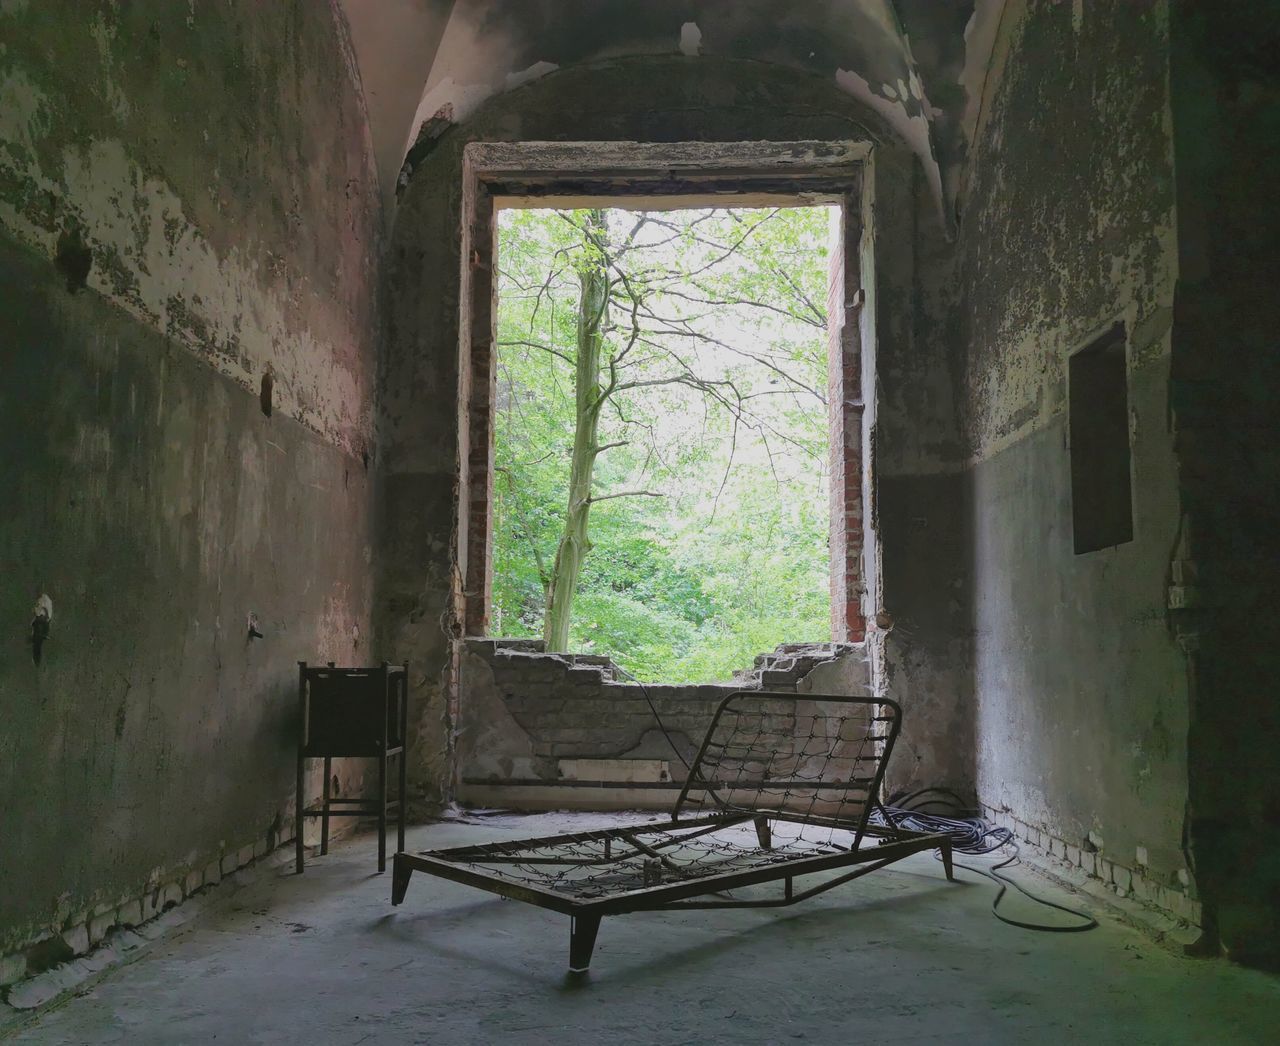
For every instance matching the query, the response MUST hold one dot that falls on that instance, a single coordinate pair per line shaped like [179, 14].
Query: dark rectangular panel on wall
[1101, 496]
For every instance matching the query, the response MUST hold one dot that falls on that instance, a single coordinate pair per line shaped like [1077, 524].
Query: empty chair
[352, 713]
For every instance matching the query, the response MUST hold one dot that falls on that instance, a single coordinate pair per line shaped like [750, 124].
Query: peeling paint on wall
[1080, 690]
[894, 104]
[100, 205]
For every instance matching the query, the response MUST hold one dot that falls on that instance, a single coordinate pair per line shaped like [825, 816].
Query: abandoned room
[678, 522]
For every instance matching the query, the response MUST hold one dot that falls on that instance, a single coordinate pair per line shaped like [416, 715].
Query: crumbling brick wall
[558, 730]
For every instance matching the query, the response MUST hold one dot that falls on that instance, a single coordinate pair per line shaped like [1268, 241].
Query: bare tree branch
[538, 345]
[787, 277]
[733, 447]
[819, 322]
[753, 421]
[681, 329]
[626, 494]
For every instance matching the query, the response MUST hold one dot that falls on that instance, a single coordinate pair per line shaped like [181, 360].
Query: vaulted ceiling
[920, 64]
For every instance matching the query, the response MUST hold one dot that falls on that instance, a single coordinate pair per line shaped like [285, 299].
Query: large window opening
[685, 189]
[661, 433]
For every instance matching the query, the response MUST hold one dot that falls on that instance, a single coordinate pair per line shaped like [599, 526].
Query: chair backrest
[349, 711]
[809, 758]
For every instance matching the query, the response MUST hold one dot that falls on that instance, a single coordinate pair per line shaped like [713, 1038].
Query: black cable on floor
[992, 873]
[972, 835]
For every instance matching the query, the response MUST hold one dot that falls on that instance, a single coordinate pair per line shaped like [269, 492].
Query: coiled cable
[972, 835]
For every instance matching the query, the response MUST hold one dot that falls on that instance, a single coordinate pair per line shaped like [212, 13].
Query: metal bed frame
[810, 766]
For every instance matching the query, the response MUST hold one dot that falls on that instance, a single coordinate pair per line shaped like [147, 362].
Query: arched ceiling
[920, 64]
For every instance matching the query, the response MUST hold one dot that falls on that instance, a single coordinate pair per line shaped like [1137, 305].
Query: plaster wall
[215, 163]
[921, 641]
[1079, 685]
[187, 207]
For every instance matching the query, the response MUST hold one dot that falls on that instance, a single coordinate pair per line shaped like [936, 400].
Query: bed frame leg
[582, 941]
[763, 833]
[300, 804]
[400, 873]
[946, 860]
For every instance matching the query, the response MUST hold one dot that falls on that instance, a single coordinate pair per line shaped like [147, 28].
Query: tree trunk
[593, 309]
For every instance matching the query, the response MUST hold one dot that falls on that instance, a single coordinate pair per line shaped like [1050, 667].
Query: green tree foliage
[708, 493]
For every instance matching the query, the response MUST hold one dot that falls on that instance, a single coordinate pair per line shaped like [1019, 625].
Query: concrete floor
[901, 956]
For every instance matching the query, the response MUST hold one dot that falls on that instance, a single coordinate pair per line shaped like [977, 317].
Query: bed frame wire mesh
[810, 766]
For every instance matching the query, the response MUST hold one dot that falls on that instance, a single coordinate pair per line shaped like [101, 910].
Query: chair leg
[946, 859]
[582, 941]
[324, 806]
[402, 812]
[400, 873]
[382, 812]
[300, 802]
